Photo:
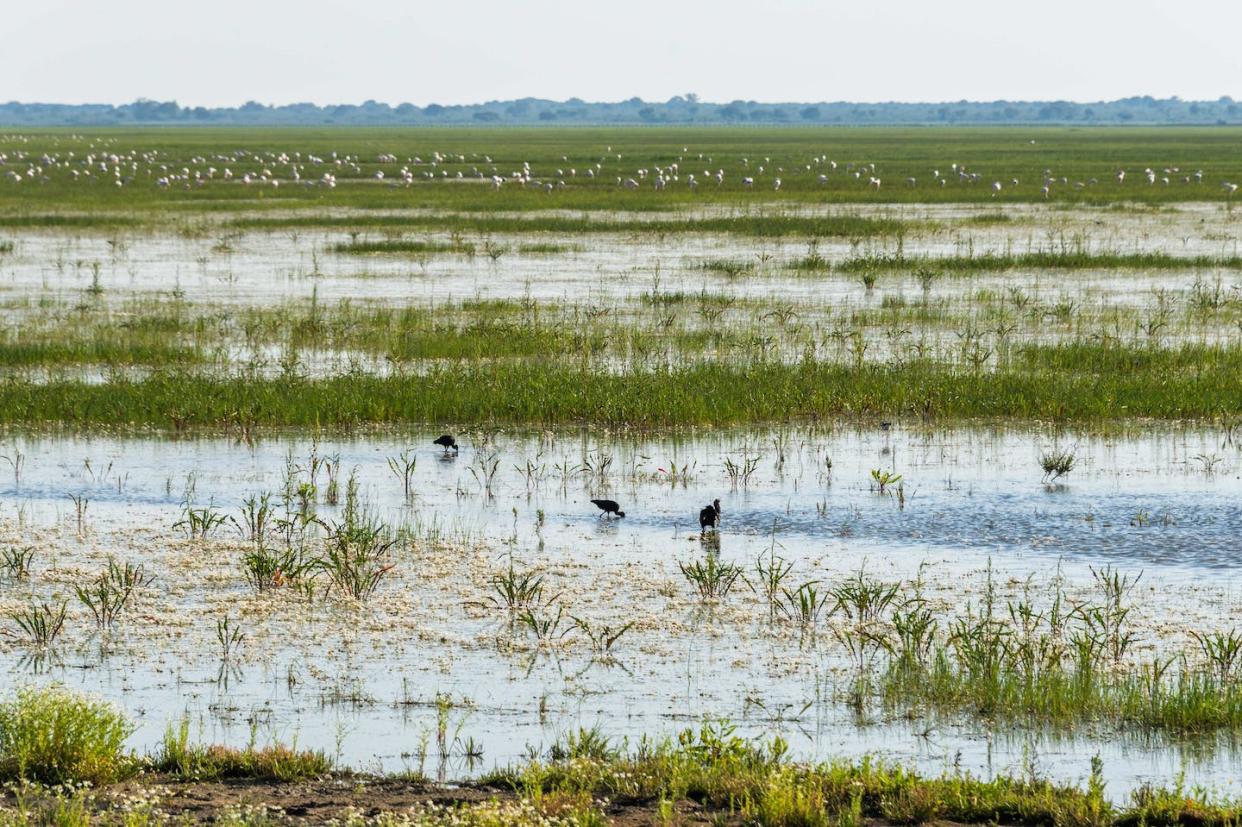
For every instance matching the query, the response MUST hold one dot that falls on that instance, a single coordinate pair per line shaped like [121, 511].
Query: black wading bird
[447, 442]
[609, 507]
[709, 517]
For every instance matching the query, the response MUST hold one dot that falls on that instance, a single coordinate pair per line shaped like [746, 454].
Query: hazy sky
[226, 52]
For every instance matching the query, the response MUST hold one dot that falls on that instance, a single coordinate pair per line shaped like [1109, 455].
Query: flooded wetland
[971, 418]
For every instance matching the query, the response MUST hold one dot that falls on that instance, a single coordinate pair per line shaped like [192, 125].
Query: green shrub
[54, 735]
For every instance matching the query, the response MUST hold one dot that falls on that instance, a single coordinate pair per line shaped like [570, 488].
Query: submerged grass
[762, 225]
[397, 246]
[1040, 260]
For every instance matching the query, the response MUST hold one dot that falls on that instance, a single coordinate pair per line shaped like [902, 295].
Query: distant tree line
[680, 109]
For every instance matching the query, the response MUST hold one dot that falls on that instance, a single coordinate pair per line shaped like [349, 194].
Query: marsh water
[428, 671]
[431, 674]
[227, 265]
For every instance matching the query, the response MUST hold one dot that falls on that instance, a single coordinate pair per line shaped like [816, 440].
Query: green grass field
[1087, 157]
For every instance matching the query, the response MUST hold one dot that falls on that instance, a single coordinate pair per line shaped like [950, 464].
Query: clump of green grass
[40, 624]
[1056, 462]
[108, 595]
[537, 248]
[54, 735]
[16, 562]
[192, 762]
[356, 557]
[729, 267]
[986, 219]
[72, 346]
[711, 578]
[517, 591]
[266, 568]
[395, 246]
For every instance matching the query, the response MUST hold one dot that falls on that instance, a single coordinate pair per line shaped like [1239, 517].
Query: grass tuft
[178, 756]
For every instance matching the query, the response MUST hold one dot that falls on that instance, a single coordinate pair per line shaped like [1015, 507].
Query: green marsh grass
[401, 246]
[758, 225]
[1053, 662]
[730, 268]
[757, 782]
[1072, 259]
[1056, 463]
[544, 248]
[39, 624]
[586, 780]
[67, 221]
[1081, 383]
[671, 328]
[179, 757]
[711, 578]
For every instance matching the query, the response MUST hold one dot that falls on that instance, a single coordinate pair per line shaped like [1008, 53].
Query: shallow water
[263, 267]
[362, 682]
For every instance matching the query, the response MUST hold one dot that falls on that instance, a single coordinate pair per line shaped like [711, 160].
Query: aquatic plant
[40, 624]
[16, 461]
[257, 518]
[516, 591]
[544, 622]
[805, 605]
[1056, 462]
[15, 562]
[864, 604]
[230, 637]
[402, 467]
[484, 470]
[1222, 650]
[739, 473]
[356, 555]
[266, 568]
[109, 594]
[1064, 382]
[602, 637]
[80, 504]
[770, 578]
[882, 479]
[712, 579]
[197, 523]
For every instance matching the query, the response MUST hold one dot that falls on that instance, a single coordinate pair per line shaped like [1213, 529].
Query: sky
[227, 52]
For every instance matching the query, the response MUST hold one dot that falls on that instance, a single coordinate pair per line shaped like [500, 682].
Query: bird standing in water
[609, 507]
[709, 517]
[447, 442]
